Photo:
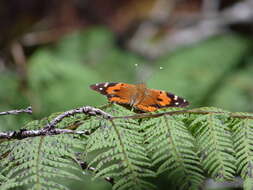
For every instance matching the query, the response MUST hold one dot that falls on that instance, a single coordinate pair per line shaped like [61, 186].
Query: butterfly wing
[120, 93]
[156, 99]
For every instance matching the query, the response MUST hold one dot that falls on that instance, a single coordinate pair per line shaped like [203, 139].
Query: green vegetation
[186, 147]
[179, 150]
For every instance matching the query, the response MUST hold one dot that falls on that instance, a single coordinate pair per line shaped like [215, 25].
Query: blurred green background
[51, 51]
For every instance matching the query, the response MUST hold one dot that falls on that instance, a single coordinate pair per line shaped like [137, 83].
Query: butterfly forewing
[116, 92]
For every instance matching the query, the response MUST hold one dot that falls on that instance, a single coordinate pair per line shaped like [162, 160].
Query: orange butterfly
[138, 96]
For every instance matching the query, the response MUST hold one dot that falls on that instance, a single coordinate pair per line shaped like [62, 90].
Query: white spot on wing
[184, 100]
[106, 84]
[176, 103]
[97, 84]
[100, 88]
[175, 97]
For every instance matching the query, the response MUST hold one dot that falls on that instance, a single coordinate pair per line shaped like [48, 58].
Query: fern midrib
[179, 159]
[124, 153]
[213, 135]
[38, 184]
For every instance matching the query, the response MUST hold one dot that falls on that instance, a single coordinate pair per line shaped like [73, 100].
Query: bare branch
[50, 129]
[23, 133]
[15, 112]
[86, 110]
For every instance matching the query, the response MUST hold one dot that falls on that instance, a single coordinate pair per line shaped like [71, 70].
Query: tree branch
[15, 112]
[50, 129]
[23, 133]
[88, 110]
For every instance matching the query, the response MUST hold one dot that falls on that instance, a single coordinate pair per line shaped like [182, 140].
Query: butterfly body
[138, 96]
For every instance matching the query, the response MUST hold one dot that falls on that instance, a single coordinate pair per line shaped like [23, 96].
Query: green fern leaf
[35, 163]
[243, 138]
[171, 147]
[117, 151]
[215, 145]
[130, 150]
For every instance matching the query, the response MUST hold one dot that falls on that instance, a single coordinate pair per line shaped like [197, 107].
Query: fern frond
[243, 144]
[117, 150]
[215, 145]
[35, 163]
[128, 151]
[2, 179]
[172, 149]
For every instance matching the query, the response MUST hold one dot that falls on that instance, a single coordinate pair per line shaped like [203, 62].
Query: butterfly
[138, 96]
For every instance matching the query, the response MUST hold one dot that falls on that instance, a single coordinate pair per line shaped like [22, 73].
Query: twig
[86, 110]
[15, 112]
[50, 129]
[23, 133]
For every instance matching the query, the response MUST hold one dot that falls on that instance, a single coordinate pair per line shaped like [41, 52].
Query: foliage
[236, 91]
[201, 72]
[187, 147]
[35, 163]
[214, 72]
[66, 71]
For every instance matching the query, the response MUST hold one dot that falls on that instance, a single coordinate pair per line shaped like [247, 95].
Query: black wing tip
[99, 87]
[183, 103]
[95, 87]
[102, 87]
[178, 101]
